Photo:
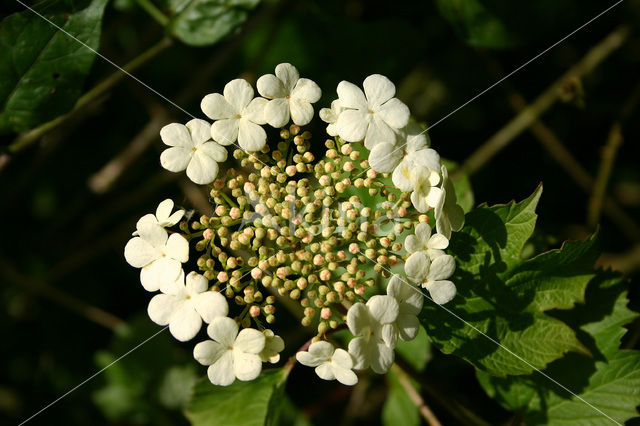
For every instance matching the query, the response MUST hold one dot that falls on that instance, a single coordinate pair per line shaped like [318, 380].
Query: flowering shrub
[371, 238]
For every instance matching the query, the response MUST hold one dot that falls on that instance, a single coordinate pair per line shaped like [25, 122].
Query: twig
[415, 396]
[542, 103]
[35, 134]
[80, 307]
[153, 11]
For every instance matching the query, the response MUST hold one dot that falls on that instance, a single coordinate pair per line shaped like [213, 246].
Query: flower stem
[153, 11]
[35, 134]
[228, 199]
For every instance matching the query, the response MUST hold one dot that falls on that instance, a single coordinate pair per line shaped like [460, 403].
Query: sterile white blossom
[416, 152]
[376, 336]
[433, 275]
[184, 304]
[449, 215]
[272, 347]
[290, 96]
[330, 363]
[372, 115]
[230, 354]
[191, 148]
[385, 157]
[238, 116]
[163, 216]
[424, 240]
[330, 116]
[410, 300]
[158, 254]
[425, 192]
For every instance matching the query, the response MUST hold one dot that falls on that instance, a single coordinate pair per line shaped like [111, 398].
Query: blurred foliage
[439, 53]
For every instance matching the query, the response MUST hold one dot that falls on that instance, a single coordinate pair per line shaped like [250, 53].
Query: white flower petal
[216, 107]
[185, 322]
[214, 150]
[352, 125]
[195, 283]
[200, 130]
[419, 201]
[417, 266]
[250, 340]
[394, 113]
[344, 375]
[433, 196]
[401, 176]
[438, 241]
[378, 132]
[161, 307]
[389, 334]
[408, 296]
[178, 248]
[325, 372]
[351, 96]
[210, 305]
[423, 233]
[384, 157]
[139, 253]
[288, 74]
[164, 210]
[441, 291]
[383, 358]
[176, 134]
[342, 358]
[208, 352]
[428, 158]
[251, 137]
[412, 244]
[317, 353]
[416, 137]
[255, 111]
[238, 93]
[202, 169]
[246, 366]
[408, 326]
[306, 90]
[223, 330]
[225, 132]
[301, 111]
[358, 348]
[442, 267]
[270, 87]
[276, 113]
[378, 89]
[357, 318]
[176, 159]
[383, 308]
[327, 115]
[221, 372]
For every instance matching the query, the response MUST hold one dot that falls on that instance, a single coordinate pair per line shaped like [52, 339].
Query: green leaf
[504, 23]
[42, 69]
[240, 404]
[398, 409]
[504, 297]
[204, 22]
[609, 381]
[416, 352]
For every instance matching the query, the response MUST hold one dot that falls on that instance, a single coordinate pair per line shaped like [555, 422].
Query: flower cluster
[288, 225]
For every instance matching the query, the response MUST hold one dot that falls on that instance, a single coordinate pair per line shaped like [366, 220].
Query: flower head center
[288, 96]
[371, 111]
[238, 116]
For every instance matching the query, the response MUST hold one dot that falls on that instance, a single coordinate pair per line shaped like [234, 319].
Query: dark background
[61, 244]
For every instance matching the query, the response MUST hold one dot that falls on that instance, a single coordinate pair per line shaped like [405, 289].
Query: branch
[415, 396]
[542, 103]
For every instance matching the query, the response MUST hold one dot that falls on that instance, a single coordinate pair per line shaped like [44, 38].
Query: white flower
[158, 254]
[238, 116]
[183, 305]
[330, 116]
[372, 117]
[291, 96]
[163, 216]
[410, 301]
[449, 215]
[433, 275]
[385, 156]
[230, 354]
[423, 240]
[192, 149]
[425, 192]
[411, 142]
[330, 363]
[272, 347]
[417, 153]
[376, 336]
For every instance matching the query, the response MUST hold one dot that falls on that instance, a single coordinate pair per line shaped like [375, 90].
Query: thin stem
[542, 103]
[153, 11]
[415, 396]
[228, 199]
[35, 134]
